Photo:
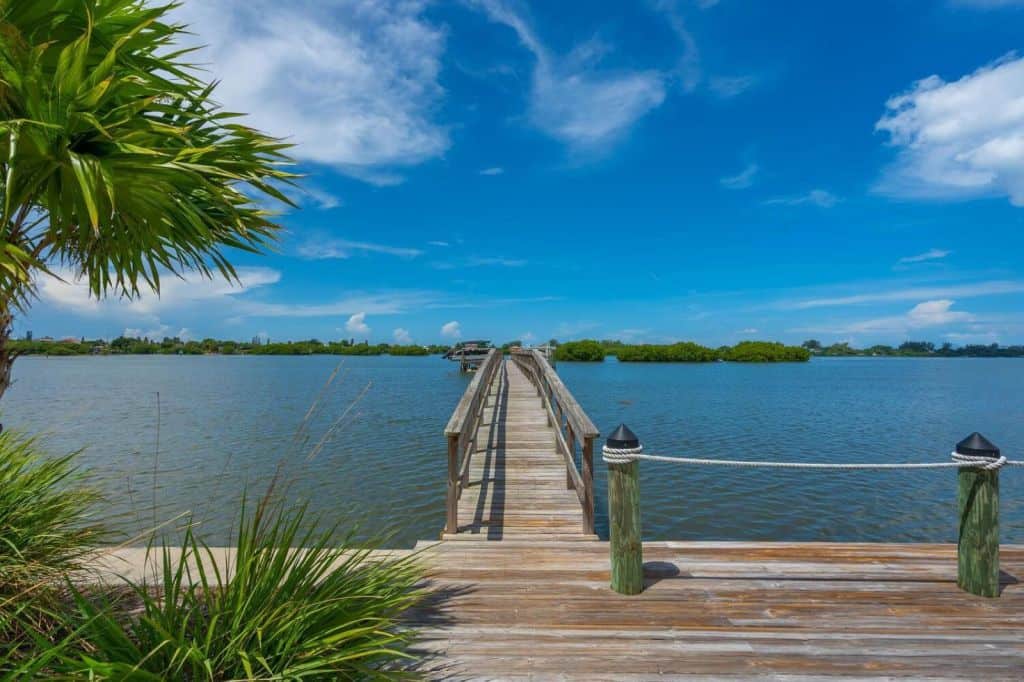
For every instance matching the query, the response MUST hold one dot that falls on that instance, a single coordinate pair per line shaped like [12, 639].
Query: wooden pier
[521, 583]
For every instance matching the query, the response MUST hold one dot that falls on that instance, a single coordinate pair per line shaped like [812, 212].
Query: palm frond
[108, 131]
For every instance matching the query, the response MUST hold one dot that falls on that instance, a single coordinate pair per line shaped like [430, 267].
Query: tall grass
[292, 602]
[46, 532]
[47, 512]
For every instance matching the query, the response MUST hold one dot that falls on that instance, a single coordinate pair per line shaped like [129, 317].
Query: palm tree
[116, 164]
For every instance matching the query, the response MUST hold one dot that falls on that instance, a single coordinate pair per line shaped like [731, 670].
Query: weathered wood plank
[542, 609]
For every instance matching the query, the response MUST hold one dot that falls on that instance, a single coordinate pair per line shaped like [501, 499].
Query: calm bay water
[165, 435]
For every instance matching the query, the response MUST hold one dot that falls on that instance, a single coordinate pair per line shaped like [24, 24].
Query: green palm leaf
[109, 135]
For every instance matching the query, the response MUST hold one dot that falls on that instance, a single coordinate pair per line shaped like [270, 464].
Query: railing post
[978, 497]
[452, 512]
[570, 440]
[627, 571]
[587, 464]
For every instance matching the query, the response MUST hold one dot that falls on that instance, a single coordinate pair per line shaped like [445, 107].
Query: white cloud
[451, 330]
[185, 334]
[989, 4]
[688, 70]
[354, 83]
[480, 261]
[343, 248]
[156, 333]
[731, 86]
[495, 170]
[930, 254]
[748, 330]
[356, 324]
[816, 197]
[383, 303]
[571, 99]
[931, 313]
[985, 337]
[913, 293]
[959, 139]
[935, 313]
[73, 292]
[320, 198]
[742, 180]
[402, 336]
[438, 243]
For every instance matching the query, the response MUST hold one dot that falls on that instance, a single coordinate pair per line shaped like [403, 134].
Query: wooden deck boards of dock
[543, 610]
[517, 480]
[520, 592]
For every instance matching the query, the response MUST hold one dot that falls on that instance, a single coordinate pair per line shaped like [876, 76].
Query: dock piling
[627, 562]
[978, 541]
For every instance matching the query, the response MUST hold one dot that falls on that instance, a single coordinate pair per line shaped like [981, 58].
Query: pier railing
[572, 426]
[461, 433]
[976, 460]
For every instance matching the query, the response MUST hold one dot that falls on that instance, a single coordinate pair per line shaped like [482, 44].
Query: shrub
[580, 351]
[46, 531]
[411, 349]
[292, 603]
[45, 513]
[676, 352]
[766, 351]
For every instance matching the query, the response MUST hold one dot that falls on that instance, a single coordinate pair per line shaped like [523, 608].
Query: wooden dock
[516, 485]
[521, 584]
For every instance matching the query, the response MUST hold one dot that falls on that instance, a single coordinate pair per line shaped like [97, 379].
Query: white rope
[626, 455]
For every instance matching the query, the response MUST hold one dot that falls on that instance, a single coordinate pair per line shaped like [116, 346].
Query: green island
[767, 351]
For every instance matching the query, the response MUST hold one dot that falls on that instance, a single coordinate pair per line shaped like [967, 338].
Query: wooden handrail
[461, 432]
[576, 425]
[581, 424]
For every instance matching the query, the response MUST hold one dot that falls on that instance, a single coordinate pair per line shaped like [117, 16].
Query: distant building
[28, 336]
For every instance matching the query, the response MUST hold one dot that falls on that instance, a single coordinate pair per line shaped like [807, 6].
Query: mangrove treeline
[175, 346]
[686, 351]
[916, 349]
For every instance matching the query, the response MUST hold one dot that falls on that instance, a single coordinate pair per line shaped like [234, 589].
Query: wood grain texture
[978, 544]
[543, 610]
[514, 484]
[627, 572]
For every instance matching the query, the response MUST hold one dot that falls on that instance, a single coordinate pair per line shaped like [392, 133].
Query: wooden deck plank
[543, 610]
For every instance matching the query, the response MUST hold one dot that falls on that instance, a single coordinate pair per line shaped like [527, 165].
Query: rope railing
[624, 455]
[975, 458]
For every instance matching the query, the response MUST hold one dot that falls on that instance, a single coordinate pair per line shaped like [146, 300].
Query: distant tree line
[686, 351]
[590, 350]
[125, 345]
[916, 349]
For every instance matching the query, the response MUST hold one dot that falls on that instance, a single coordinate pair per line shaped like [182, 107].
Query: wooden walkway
[517, 478]
[520, 585]
[543, 610]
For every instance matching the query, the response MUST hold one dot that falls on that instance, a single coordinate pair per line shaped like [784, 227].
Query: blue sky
[649, 171]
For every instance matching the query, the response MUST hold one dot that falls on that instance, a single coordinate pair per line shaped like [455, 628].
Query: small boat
[469, 354]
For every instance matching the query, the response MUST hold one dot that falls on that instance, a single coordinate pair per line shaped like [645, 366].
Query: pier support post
[627, 562]
[452, 506]
[978, 543]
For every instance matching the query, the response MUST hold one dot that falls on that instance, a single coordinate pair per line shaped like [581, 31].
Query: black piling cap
[977, 445]
[622, 438]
